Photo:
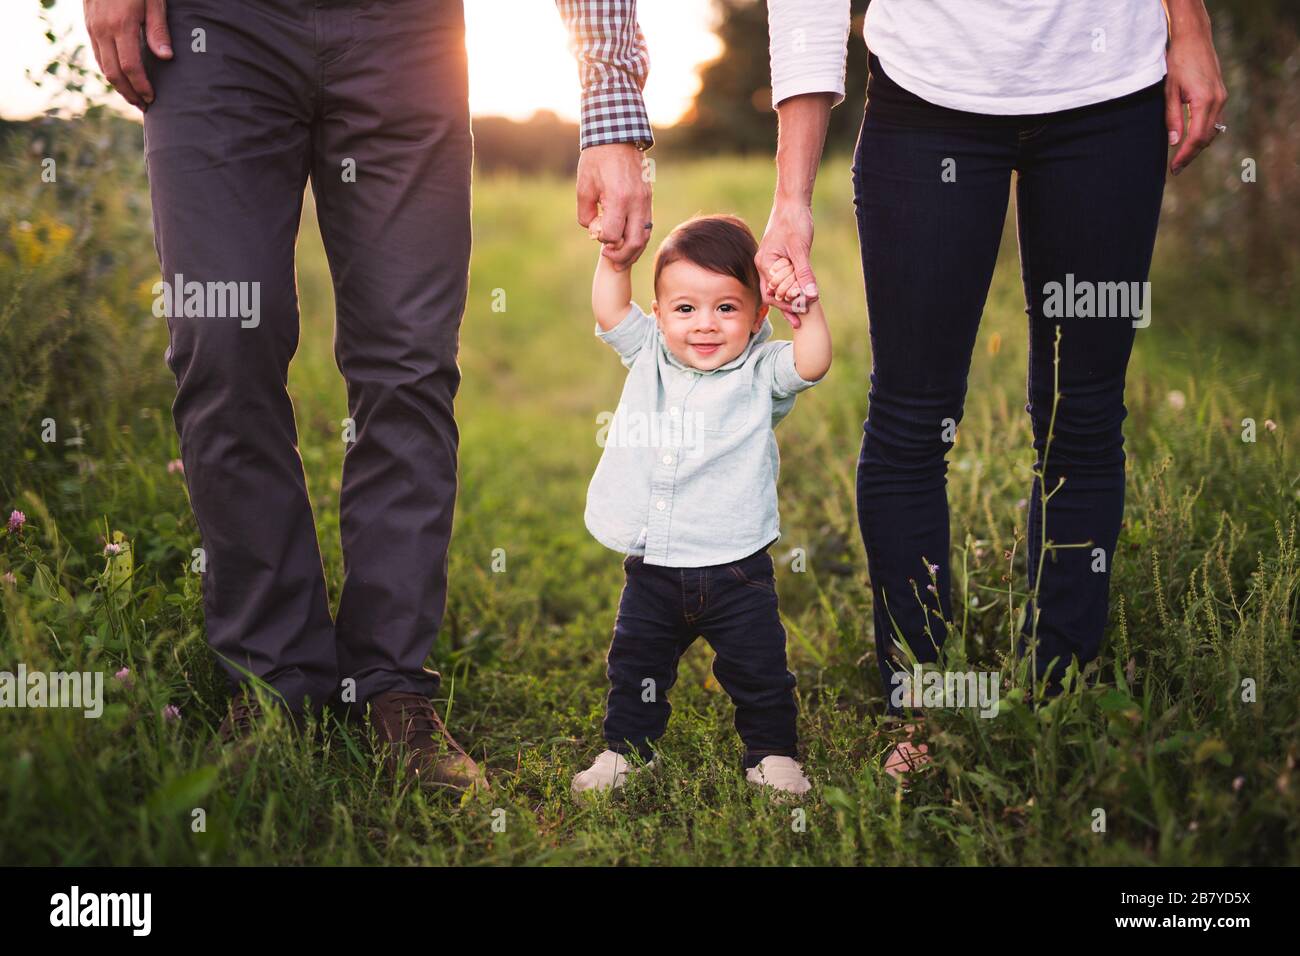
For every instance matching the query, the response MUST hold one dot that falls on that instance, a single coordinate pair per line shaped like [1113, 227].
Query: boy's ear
[758, 319]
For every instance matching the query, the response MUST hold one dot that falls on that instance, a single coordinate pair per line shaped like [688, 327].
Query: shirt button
[674, 411]
[668, 459]
[661, 505]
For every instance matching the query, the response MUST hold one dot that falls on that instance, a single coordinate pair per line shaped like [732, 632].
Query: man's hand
[611, 186]
[782, 260]
[114, 27]
[1194, 79]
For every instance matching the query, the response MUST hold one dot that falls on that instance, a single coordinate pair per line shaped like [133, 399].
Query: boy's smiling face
[706, 317]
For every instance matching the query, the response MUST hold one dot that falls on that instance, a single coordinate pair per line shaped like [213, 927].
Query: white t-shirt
[984, 56]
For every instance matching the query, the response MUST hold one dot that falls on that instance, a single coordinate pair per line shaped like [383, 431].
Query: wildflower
[932, 589]
[112, 549]
[934, 569]
[1238, 783]
[171, 713]
[1022, 503]
[175, 467]
[1177, 400]
[8, 579]
[1270, 425]
[124, 677]
[16, 521]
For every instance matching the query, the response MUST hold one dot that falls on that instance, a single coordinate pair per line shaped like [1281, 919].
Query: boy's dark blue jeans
[661, 613]
[931, 187]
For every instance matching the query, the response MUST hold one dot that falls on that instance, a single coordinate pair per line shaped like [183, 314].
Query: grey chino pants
[368, 100]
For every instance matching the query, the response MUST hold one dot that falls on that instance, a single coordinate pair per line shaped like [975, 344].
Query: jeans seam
[687, 615]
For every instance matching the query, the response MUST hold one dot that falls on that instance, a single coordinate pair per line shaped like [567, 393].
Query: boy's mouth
[705, 348]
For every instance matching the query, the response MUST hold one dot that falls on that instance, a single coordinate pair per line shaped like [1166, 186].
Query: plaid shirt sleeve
[612, 66]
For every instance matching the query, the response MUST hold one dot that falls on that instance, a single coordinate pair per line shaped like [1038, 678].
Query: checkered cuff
[614, 114]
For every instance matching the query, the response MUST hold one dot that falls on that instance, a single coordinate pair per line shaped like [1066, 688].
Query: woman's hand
[782, 260]
[801, 131]
[1193, 79]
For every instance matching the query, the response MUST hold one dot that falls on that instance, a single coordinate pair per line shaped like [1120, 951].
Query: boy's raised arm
[611, 293]
[812, 343]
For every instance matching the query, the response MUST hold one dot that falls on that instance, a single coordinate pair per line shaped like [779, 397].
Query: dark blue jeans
[931, 188]
[661, 613]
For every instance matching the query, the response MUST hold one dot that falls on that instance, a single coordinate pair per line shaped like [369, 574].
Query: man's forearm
[802, 122]
[613, 64]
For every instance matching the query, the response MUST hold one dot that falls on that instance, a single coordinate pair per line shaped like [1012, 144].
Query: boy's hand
[783, 285]
[593, 232]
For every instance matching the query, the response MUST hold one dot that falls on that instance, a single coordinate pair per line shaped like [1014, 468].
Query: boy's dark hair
[721, 244]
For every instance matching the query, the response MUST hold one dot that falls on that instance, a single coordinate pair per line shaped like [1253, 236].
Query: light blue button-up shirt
[688, 475]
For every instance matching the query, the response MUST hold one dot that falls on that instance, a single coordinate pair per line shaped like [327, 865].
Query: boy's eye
[726, 307]
[686, 308]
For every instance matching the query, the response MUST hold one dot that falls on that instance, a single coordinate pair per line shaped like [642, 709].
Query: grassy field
[1205, 588]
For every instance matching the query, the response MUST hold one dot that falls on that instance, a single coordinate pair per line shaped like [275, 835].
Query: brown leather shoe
[243, 712]
[238, 729]
[235, 733]
[415, 739]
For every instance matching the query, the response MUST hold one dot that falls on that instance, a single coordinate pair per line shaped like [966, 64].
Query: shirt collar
[756, 339]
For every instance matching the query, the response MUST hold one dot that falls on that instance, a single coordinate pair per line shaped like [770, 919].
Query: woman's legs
[1088, 201]
[931, 206]
[931, 202]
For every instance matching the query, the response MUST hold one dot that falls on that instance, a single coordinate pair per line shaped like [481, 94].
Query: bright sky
[518, 50]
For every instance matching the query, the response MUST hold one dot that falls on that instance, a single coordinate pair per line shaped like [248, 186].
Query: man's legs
[227, 148]
[391, 175]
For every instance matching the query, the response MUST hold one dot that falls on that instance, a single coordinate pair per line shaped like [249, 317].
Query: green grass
[1205, 595]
